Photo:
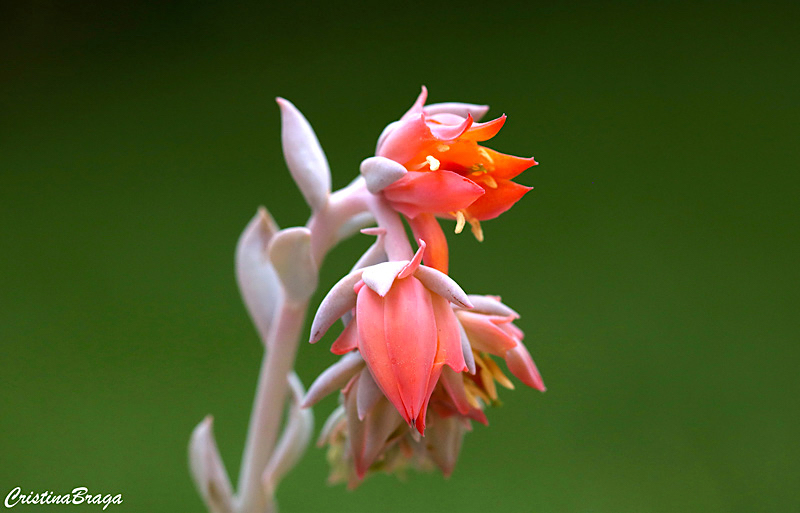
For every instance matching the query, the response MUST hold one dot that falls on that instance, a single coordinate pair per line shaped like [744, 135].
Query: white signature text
[78, 495]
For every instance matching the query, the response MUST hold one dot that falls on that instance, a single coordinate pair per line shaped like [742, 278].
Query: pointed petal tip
[415, 262]
[339, 301]
[443, 285]
[376, 231]
[452, 132]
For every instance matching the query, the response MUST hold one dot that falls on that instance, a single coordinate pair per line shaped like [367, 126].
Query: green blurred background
[654, 264]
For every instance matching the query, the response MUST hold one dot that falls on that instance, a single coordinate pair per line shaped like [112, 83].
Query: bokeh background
[654, 264]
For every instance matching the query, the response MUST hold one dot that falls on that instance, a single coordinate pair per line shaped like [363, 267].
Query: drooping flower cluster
[417, 351]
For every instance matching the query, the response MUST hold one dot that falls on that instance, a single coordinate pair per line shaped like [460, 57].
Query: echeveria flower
[490, 329]
[449, 173]
[404, 328]
[366, 433]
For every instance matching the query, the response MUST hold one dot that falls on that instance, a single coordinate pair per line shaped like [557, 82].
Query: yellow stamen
[432, 162]
[485, 154]
[488, 384]
[442, 148]
[474, 392]
[488, 180]
[477, 231]
[478, 169]
[461, 220]
[498, 375]
[486, 377]
[471, 390]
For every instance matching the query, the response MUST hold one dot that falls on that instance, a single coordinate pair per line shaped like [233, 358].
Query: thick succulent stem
[326, 227]
[271, 393]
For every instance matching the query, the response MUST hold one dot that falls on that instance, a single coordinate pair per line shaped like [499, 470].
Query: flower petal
[411, 340]
[367, 392]
[466, 349]
[417, 109]
[333, 378]
[453, 383]
[412, 266]
[373, 347]
[443, 285]
[432, 381]
[484, 131]
[484, 335]
[459, 109]
[380, 277]
[497, 200]
[434, 192]
[369, 437]
[507, 166]
[490, 305]
[449, 350]
[347, 340]
[405, 139]
[333, 421]
[521, 365]
[385, 134]
[451, 132]
[445, 437]
[339, 301]
[397, 339]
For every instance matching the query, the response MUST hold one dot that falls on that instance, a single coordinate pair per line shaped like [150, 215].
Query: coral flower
[449, 173]
[404, 327]
[491, 329]
[366, 433]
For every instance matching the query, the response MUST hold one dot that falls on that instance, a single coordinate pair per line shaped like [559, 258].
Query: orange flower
[449, 173]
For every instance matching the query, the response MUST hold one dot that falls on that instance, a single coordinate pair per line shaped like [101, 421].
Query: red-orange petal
[427, 228]
[436, 371]
[347, 340]
[435, 192]
[406, 139]
[497, 200]
[508, 166]
[484, 131]
[372, 344]
[449, 335]
[410, 342]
